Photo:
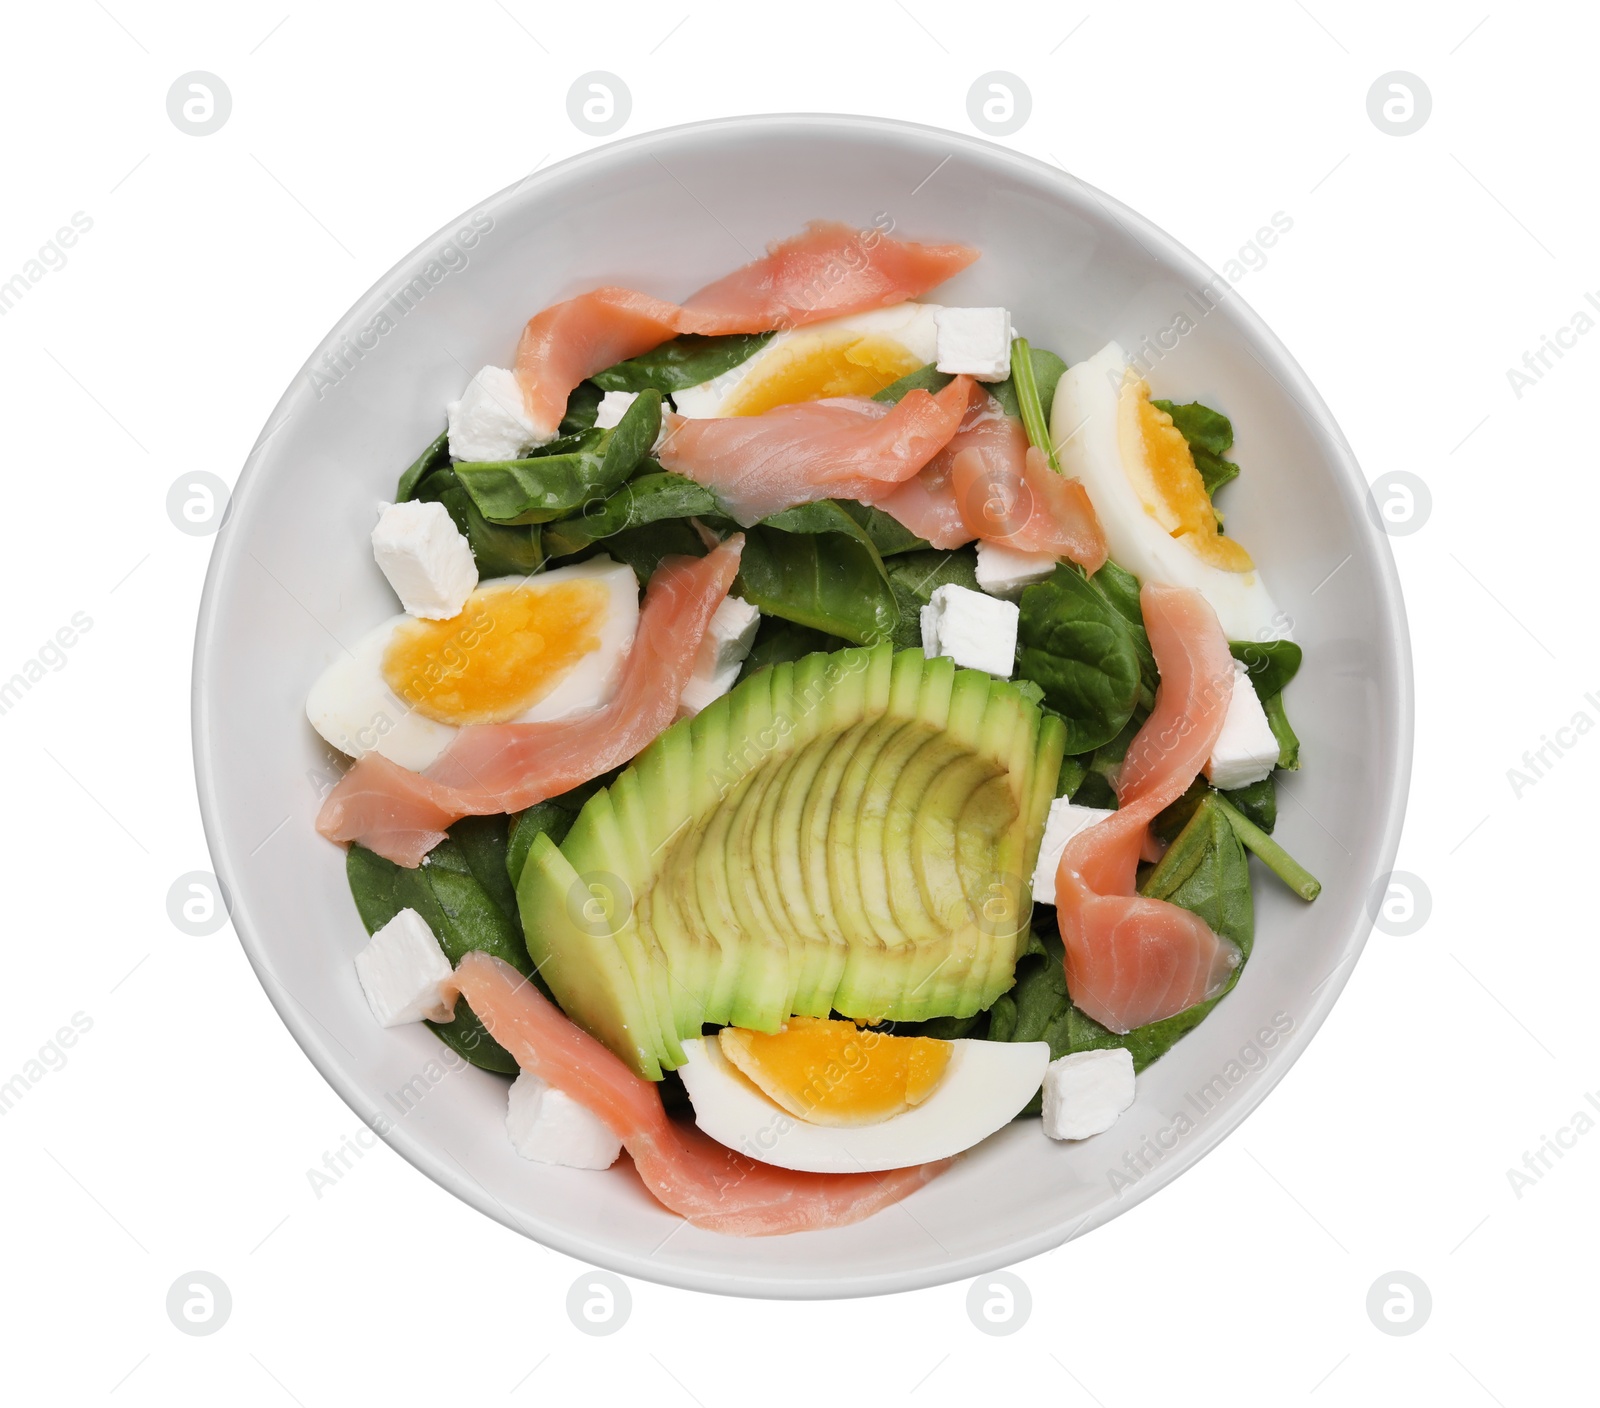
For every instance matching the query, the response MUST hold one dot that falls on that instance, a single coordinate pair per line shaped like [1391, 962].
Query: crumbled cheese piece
[425, 557]
[401, 970]
[613, 406]
[547, 1125]
[490, 421]
[1246, 750]
[974, 630]
[722, 653]
[1005, 572]
[976, 341]
[1065, 821]
[1086, 1091]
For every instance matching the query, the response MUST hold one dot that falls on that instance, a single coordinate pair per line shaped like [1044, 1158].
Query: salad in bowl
[819, 729]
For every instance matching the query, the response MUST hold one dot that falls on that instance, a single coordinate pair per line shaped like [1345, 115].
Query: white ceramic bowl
[292, 577]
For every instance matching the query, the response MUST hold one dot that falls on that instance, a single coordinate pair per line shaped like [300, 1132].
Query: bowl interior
[293, 583]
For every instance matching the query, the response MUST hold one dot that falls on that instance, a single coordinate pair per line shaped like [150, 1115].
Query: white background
[179, 1133]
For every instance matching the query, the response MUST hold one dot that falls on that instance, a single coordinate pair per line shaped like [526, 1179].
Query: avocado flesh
[848, 832]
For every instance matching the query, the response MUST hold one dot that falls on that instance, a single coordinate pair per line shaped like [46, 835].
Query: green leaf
[928, 378]
[1076, 644]
[650, 498]
[1210, 437]
[814, 565]
[1027, 396]
[888, 534]
[1271, 854]
[500, 550]
[1258, 802]
[566, 474]
[1121, 589]
[778, 641]
[1288, 742]
[643, 548]
[1214, 471]
[1072, 775]
[915, 576]
[1047, 370]
[549, 818]
[683, 362]
[1271, 663]
[436, 456]
[583, 405]
[482, 842]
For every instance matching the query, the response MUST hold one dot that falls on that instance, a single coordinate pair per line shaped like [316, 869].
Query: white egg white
[984, 1087]
[1083, 425]
[909, 324]
[352, 706]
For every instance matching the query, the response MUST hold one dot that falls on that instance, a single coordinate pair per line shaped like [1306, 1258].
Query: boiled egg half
[826, 1096]
[856, 355]
[1140, 475]
[522, 649]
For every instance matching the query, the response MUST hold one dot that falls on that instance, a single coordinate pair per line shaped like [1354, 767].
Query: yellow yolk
[809, 368]
[508, 648]
[836, 1073]
[1162, 470]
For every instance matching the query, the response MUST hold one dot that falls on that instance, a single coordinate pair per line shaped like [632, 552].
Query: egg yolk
[836, 1073]
[1162, 470]
[507, 649]
[808, 368]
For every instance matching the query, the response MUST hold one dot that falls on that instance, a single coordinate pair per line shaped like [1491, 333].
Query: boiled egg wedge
[826, 1096]
[856, 355]
[522, 649]
[1140, 475]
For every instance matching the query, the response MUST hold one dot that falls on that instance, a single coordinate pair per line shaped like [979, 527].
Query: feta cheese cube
[1065, 821]
[974, 630]
[1005, 572]
[1246, 750]
[425, 557]
[727, 642]
[401, 970]
[976, 341]
[547, 1125]
[490, 421]
[613, 406]
[1086, 1091]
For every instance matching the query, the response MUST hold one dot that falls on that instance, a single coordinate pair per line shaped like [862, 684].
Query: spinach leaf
[647, 499]
[463, 914]
[483, 842]
[1121, 589]
[915, 576]
[567, 473]
[1210, 437]
[928, 378]
[814, 565]
[890, 536]
[583, 405]
[1047, 370]
[1271, 663]
[1270, 853]
[778, 641]
[1076, 644]
[1074, 772]
[1258, 802]
[549, 818]
[1288, 741]
[436, 456]
[643, 548]
[500, 550]
[685, 361]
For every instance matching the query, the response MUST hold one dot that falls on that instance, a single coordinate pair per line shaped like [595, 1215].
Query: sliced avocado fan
[853, 831]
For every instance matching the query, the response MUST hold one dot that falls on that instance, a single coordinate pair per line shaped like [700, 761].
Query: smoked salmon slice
[1131, 959]
[848, 447]
[826, 271]
[492, 768]
[688, 1172]
[988, 482]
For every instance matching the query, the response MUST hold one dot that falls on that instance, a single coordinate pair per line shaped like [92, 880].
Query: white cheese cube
[401, 969]
[1086, 1091]
[425, 557]
[547, 1125]
[974, 630]
[1246, 750]
[613, 406]
[490, 421]
[1065, 821]
[727, 642]
[976, 341]
[1005, 572]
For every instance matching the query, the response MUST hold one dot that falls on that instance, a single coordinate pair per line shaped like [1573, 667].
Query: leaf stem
[1272, 855]
[1028, 402]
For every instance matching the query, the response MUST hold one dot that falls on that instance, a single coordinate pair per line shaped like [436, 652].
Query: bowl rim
[1279, 363]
